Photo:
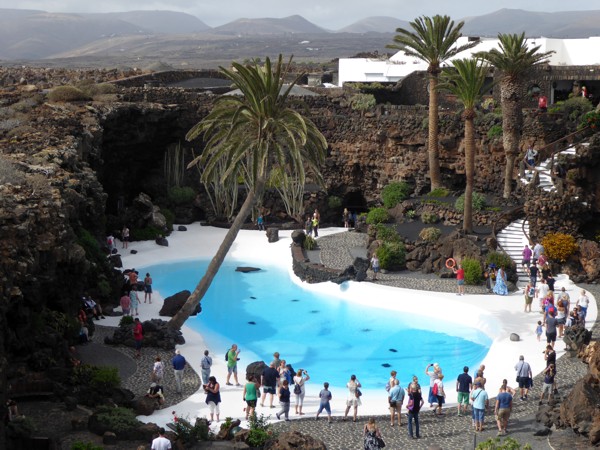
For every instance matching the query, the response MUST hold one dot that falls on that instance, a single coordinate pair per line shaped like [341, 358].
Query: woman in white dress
[353, 399]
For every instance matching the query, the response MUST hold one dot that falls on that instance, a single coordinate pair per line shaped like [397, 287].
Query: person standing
[134, 301]
[372, 436]
[538, 250]
[549, 381]
[353, 400]
[464, 384]
[161, 442]
[395, 399]
[268, 380]
[500, 287]
[523, 375]
[390, 384]
[110, 242]
[460, 279]
[260, 221]
[551, 325]
[346, 218]
[503, 409]
[308, 225]
[232, 359]
[284, 401]
[541, 292]
[533, 274]
[250, 396]
[213, 397]
[125, 303]
[125, 236]
[526, 261]
[438, 388]
[432, 377]
[375, 266]
[138, 337]
[158, 371]
[205, 366]
[148, 288]
[315, 223]
[179, 363]
[480, 400]
[300, 379]
[583, 302]
[415, 403]
[529, 293]
[324, 399]
[276, 361]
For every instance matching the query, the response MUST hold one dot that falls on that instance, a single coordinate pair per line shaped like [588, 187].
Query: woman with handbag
[299, 391]
[373, 439]
[354, 395]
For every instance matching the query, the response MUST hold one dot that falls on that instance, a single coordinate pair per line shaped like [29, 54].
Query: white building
[568, 52]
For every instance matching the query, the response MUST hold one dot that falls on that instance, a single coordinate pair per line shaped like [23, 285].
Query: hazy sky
[332, 14]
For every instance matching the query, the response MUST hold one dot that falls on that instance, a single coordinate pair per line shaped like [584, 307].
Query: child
[325, 396]
[538, 330]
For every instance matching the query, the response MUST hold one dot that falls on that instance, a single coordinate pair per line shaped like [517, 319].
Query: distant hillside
[375, 24]
[167, 22]
[292, 24]
[568, 24]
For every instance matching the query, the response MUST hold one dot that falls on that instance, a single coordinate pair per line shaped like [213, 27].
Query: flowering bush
[559, 246]
[592, 120]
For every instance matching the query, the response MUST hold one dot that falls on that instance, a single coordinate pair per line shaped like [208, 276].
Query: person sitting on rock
[92, 307]
[156, 392]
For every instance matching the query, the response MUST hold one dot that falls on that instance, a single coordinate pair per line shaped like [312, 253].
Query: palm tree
[253, 133]
[432, 40]
[514, 59]
[466, 81]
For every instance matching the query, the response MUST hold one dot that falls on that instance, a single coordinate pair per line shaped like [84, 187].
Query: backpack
[297, 389]
[227, 355]
[435, 389]
[531, 292]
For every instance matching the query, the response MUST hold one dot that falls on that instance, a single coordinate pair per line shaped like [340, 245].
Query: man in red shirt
[460, 279]
[138, 336]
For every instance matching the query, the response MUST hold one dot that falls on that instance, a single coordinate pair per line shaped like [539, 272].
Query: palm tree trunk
[195, 297]
[469, 172]
[511, 130]
[433, 151]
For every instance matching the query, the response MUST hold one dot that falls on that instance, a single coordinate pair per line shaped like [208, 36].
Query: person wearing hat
[156, 392]
[433, 376]
[523, 376]
[480, 400]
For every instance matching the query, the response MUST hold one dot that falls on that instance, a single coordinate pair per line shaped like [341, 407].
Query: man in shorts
[523, 375]
[232, 359]
[464, 384]
[551, 324]
[549, 374]
[480, 400]
[268, 380]
[503, 409]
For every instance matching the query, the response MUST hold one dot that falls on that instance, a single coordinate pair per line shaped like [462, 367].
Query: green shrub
[392, 255]
[559, 246]
[411, 214]
[145, 234]
[189, 435]
[334, 202]
[260, 431]
[79, 445]
[394, 193]
[95, 90]
[22, 428]
[439, 193]
[575, 107]
[361, 102]
[181, 195]
[118, 420]
[429, 217]
[125, 321]
[494, 131]
[105, 378]
[432, 201]
[592, 120]
[377, 215]
[310, 243]
[67, 94]
[498, 444]
[499, 259]
[386, 234]
[473, 272]
[90, 244]
[169, 217]
[430, 234]
[478, 201]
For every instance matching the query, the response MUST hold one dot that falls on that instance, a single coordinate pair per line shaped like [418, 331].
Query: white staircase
[513, 241]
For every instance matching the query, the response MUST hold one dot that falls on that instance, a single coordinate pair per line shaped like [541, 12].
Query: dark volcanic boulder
[145, 406]
[298, 237]
[273, 234]
[173, 304]
[162, 241]
[576, 338]
[294, 439]
[579, 409]
[255, 369]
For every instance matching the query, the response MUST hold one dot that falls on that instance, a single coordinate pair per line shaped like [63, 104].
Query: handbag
[392, 403]
[380, 442]
[358, 393]
[518, 378]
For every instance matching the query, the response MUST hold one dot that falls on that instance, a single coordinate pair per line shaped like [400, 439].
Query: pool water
[329, 336]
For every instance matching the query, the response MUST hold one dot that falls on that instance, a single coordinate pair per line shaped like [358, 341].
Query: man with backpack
[232, 358]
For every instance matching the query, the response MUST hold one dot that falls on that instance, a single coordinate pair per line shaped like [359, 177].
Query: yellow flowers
[559, 246]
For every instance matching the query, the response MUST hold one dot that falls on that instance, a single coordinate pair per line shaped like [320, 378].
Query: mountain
[376, 24]
[565, 24]
[292, 24]
[161, 22]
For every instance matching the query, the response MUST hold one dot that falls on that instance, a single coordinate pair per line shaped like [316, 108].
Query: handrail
[555, 143]
[512, 211]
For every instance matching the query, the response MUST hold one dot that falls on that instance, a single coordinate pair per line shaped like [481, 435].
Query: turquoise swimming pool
[328, 336]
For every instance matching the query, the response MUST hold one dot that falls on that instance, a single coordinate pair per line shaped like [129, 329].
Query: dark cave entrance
[355, 202]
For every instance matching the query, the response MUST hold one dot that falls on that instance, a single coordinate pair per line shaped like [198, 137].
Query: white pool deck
[494, 315]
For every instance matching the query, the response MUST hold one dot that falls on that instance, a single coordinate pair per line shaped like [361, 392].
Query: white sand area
[496, 316]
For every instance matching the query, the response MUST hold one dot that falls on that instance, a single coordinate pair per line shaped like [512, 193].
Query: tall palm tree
[254, 133]
[466, 81]
[513, 59]
[432, 40]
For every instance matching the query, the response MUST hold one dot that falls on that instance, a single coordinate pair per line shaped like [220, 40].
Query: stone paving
[445, 432]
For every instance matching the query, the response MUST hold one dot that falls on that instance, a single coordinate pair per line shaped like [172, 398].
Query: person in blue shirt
[503, 410]
[179, 363]
[396, 398]
[480, 400]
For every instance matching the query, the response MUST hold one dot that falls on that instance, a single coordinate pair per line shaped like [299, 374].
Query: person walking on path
[179, 363]
[205, 366]
[464, 385]
[551, 324]
[502, 410]
[284, 401]
[250, 396]
[213, 397]
[375, 266]
[414, 405]
[300, 379]
[395, 399]
[480, 400]
[268, 380]
[583, 302]
[161, 442]
[353, 399]
[523, 375]
[138, 337]
[549, 381]
[125, 236]
[158, 371]
[526, 261]
[148, 288]
[324, 399]
[529, 293]
[372, 436]
[232, 359]
[460, 279]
